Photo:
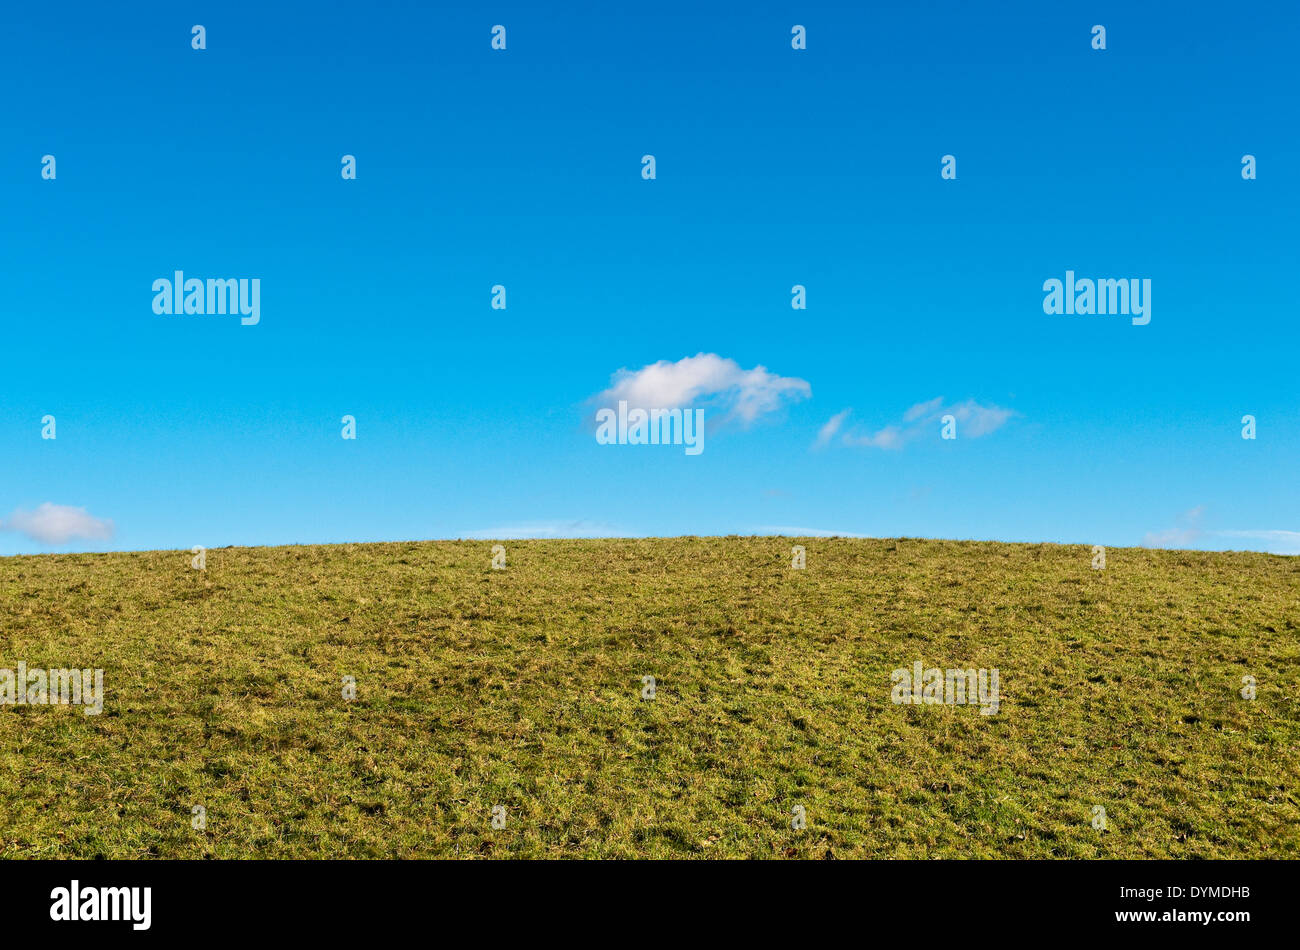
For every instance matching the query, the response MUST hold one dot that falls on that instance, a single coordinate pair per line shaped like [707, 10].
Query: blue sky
[774, 167]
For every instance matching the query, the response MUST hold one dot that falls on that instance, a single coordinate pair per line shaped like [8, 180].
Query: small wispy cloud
[890, 437]
[742, 394]
[1184, 534]
[832, 426]
[58, 524]
[546, 529]
[791, 532]
[1187, 532]
[1275, 541]
[922, 410]
[973, 421]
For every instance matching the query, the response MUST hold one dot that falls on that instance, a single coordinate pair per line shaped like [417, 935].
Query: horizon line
[481, 538]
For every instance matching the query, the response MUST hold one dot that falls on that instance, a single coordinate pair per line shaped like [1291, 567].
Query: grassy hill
[1120, 689]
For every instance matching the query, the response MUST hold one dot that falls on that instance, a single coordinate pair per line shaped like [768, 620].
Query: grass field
[1120, 689]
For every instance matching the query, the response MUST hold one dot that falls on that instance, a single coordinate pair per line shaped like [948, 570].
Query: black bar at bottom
[1218, 899]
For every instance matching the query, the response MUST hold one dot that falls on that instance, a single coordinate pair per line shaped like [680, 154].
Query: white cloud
[546, 529]
[827, 432]
[973, 421]
[1171, 538]
[890, 437]
[58, 524]
[923, 409]
[1276, 541]
[1184, 534]
[745, 394]
[1188, 533]
[789, 532]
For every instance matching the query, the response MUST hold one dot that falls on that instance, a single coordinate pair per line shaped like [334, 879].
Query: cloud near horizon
[546, 529]
[973, 421]
[58, 524]
[743, 394]
[1188, 533]
[1276, 540]
[787, 531]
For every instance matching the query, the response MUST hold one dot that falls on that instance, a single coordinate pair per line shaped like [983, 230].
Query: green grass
[522, 687]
